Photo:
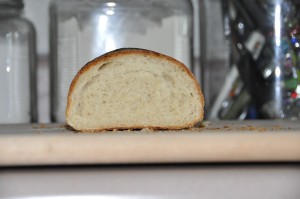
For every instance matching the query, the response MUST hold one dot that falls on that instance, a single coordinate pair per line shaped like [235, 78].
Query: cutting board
[218, 141]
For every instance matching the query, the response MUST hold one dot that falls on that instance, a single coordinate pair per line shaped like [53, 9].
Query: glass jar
[84, 29]
[214, 54]
[264, 40]
[17, 65]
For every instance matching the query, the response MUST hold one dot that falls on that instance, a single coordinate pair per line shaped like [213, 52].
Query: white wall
[37, 12]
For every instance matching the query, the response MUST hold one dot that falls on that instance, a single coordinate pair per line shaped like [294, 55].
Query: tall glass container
[264, 38]
[84, 29]
[17, 65]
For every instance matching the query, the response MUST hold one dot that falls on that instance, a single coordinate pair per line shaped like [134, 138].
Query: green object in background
[291, 84]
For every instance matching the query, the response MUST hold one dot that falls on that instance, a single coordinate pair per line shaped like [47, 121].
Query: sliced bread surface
[134, 89]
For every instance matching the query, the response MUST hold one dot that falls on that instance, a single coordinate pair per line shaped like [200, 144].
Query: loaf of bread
[134, 89]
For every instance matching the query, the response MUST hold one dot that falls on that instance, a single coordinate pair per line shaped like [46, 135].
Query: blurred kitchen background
[38, 13]
[245, 54]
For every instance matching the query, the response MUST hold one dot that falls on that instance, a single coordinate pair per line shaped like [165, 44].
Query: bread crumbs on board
[246, 128]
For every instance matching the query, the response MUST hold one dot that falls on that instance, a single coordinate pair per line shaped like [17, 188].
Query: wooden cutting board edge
[136, 148]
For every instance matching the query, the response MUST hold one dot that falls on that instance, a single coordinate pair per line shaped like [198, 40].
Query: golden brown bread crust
[124, 51]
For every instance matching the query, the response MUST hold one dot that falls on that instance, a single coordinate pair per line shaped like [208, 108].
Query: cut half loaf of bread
[134, 89]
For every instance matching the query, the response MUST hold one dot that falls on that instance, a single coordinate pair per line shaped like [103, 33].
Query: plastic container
[84, 29]
[17, 65]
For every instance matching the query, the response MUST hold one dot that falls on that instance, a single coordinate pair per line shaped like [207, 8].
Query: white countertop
[226, 181]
